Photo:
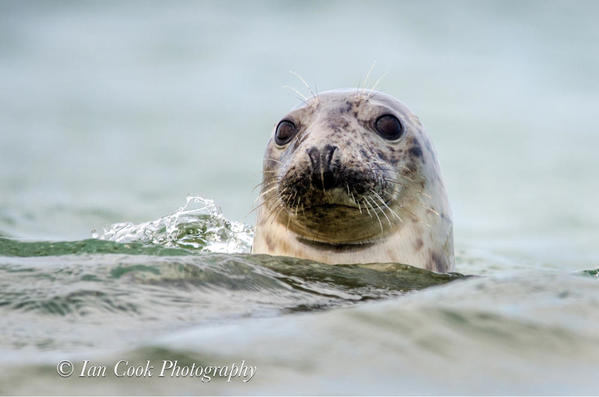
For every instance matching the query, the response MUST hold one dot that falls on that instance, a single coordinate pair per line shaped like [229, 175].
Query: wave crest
[199, 225]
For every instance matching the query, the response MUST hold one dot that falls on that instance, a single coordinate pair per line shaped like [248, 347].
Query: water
[116, 112]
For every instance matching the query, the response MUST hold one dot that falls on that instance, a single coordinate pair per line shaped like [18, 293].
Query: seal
[350, 177]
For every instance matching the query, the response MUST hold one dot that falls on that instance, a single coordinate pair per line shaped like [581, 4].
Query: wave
[184, 287]
[198, 225]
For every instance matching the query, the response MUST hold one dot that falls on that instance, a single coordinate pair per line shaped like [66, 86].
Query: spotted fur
[338, 192]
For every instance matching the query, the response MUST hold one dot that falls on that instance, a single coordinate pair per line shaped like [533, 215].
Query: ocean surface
[131, 138]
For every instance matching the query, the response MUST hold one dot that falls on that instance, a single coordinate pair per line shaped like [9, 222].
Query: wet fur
[385, 200]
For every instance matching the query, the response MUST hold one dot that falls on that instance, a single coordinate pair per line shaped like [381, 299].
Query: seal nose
[322, 172]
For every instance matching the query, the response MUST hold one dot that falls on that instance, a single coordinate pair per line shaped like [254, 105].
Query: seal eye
[285, 132]
[389, 127]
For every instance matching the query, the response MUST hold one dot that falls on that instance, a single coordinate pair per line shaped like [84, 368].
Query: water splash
[198, 225]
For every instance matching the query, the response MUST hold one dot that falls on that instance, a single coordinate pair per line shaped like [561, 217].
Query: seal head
[351, 177]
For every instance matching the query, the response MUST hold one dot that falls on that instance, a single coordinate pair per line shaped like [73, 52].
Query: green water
[114, 112]
[305, 326]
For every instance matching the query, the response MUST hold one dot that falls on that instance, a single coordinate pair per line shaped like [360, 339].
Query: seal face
[351, 177]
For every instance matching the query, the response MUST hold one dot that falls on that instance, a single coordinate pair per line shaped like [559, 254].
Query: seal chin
[336, 222]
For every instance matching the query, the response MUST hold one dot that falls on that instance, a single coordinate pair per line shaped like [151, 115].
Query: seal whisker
[282, 192]
[357, 202]
[407, 178]
[288, 222]
[256, 207]
[263, 196]
[427, 207]
[386, 205]
[358, 86]
[375, 214]
[349, 193]
[296, 204]
[269, 184]
[431, 209]
[376, 84]
[296, 91]
[381, 209]
[394, 213]
[366, 208]
[304, 82]
[275, 212]
[266, 183]
[378, 207]
[365, 81]
[265, 192]
[270, 215]
[291, 201]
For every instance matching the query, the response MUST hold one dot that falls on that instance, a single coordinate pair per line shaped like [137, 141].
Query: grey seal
[350, 176]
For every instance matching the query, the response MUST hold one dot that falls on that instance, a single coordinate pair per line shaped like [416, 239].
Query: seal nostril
[314, 155]
[321, 162]
[329, 150]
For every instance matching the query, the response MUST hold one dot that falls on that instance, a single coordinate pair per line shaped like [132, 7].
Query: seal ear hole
[389, 127]
[285, 132]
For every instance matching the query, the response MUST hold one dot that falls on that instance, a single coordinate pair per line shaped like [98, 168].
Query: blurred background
[114, 111]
